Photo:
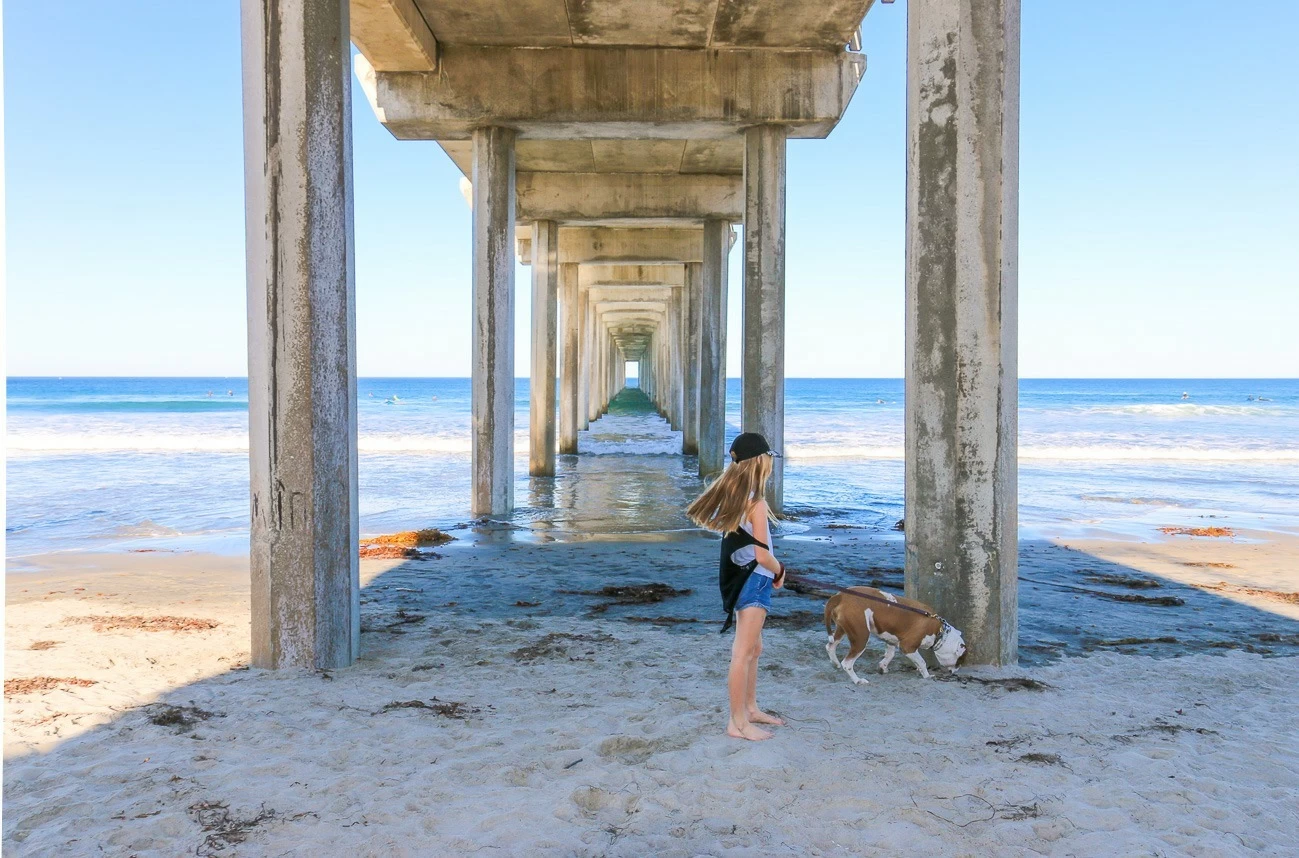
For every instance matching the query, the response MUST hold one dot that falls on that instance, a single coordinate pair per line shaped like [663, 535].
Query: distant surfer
[1185, 395]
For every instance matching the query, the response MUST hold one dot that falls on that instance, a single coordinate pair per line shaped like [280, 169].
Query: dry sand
[480, 721]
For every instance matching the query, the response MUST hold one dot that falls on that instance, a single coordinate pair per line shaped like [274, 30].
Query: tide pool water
[131, 462]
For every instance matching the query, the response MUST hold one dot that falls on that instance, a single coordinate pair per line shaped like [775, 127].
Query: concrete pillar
[712, 348]
[763, 404]
[584, 365]
[592, 366]
[545, 289]
[690, 298]
[961, 316]
[493, 331]
[570, 323]
[673, 347]
[301, 334]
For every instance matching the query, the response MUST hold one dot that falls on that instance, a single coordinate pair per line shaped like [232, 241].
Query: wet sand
[506, 699]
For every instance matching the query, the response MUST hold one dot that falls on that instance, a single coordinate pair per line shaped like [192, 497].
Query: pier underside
[613, 147]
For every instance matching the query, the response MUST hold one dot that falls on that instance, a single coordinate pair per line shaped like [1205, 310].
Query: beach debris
[224, 828]
[1205, 565]
[1198, 531]
[404, 545]
[1161, 728]
[630, 594]
[901, 525]
[1040, 758]
[393, 625]
[40, 645]
[1167, 639]
[455, 709]
[794, 620]
[112, 623]
[661, 620]
[1164, 601]
[183, 718]
[33, 684]
[395, 552]
[1224, 587]
[844, 526]
[556, 645]
[575, 762]
[1009, 683]
[1133, 582]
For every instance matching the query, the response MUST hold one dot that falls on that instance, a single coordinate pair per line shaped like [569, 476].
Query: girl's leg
[744, 665]
[756, 715]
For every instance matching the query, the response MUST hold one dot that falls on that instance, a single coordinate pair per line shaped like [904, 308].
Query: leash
[825, 585]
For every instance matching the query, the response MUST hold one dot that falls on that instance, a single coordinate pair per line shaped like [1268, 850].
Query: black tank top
[733, 577]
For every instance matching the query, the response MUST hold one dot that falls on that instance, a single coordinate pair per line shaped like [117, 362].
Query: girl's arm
[762, 533]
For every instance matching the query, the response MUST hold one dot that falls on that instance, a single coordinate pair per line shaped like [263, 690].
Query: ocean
[118, 463]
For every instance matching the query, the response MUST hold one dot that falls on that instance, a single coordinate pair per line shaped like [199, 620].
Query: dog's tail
[831, 614]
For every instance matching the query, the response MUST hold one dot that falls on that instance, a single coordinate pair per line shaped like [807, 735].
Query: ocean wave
[1186, 409]
[610, 444]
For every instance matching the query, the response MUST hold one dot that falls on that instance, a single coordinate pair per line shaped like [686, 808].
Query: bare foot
[757, 716]
[748, 731]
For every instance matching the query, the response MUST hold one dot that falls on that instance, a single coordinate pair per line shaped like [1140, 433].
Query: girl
[736, 507]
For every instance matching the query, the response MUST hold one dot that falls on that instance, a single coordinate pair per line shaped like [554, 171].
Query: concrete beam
[301, 278]
[616, 196]
[393, 36]
[615, 93]
[613, 276]
[961, 316]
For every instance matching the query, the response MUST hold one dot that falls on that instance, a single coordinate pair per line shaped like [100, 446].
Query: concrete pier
[545, 334]
[301, 334]
[763, 405]
[961, 298]
[690, 432]
[570, 325]
[712, 348]
[493, 329]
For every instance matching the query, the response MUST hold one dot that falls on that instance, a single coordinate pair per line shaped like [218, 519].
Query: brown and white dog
[880, 615]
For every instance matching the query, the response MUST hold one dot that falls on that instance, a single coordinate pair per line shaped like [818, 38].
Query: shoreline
[503, 700]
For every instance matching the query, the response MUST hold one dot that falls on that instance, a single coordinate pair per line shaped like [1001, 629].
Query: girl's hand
[779, 580]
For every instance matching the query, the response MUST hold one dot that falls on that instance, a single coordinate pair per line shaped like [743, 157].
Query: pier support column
[961, 317]
[712, 348]
[570, 323]
[545, 289]
[677, 386]
[301, 334]
[584, 365]
[690, 294]
[493, 332]
[763, 404]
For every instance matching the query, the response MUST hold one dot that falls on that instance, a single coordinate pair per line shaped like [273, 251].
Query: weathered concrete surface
[683, 23]
[301, 334]
[763, 404]
[961, 288]
[722, 156]
[393, 35]
[545, 294]
[584, 365]
[676, 384]
[614, 93]
[570, 324]
[493, 330]
[712, 348]
[623, 196]
[690, 296]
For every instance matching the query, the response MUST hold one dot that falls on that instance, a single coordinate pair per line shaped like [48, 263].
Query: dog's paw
[884, 668]
[857, 680]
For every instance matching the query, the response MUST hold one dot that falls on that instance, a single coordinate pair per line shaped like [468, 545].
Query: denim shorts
[756, 593]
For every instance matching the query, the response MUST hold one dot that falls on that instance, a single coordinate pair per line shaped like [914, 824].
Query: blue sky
[1158, 214]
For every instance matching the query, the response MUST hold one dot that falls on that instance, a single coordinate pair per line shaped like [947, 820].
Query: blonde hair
[725, 504]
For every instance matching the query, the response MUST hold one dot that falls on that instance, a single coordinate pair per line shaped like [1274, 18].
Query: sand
[492, 713]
